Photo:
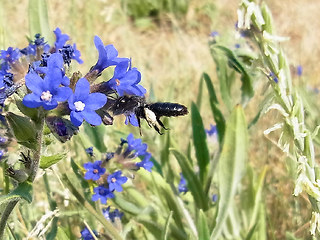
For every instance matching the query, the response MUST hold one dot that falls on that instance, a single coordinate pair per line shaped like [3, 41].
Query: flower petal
[76, 118]
[95, 101]
[82, 89]
[91, 117]
[50, 105]
[62, 94]
[32, 100]
[35, 83]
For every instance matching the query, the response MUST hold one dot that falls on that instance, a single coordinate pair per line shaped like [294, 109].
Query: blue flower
[70, 52]
[136, 145]
[125, 80]
[2, 140]
[47, 92]
[89, 151]
[1, 153]
[146, 163]
[94, 170]
[61, 39]
[83, 104]
[107, 55]
[299, 70]
[274, 77]
[31, 49]
[102, 193]
[182, 187]
[112, 215]
[212, 131]
[10, 55]
[214, 197]
[214, 34]
[76, 54]
[132, 119]
[86, 235]
[115, 181]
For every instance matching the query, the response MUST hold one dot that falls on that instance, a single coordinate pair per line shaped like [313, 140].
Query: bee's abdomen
[168, 109]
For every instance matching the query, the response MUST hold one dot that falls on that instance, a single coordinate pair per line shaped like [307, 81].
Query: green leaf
[202, 226]
[23, 129]
[224, 79]
[217, 115]
[231, 165]
[166, 227]
[33, 113]
[48, 161]
[62, 235]
[193, 182]
[96, 136]
[199, 141]
[38, 19]
[247, 87]
[200, 89]
[24, 191]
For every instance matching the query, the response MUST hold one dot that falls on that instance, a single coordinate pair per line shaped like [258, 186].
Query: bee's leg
[157, 129]
[139, 125]
[161, 124]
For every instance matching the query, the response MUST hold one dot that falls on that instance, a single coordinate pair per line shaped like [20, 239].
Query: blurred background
[168, 42]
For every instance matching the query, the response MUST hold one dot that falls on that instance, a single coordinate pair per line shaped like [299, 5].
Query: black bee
[151, 112]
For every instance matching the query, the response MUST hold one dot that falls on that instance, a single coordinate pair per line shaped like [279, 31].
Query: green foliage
[22, 191]
[154, 8]
[38, 19]
[48, 161]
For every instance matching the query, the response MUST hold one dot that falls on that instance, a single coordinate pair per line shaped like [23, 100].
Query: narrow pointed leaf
[231, 165]
[38, 19]
[48, 161]
[199, 141]
[193, 182]
[217, 115]
[166, 227]
[202, 226]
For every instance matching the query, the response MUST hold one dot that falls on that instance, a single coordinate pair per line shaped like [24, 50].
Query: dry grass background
[173, 54]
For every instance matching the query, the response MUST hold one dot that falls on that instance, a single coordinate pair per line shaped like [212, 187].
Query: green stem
[34, 169]
[5, 215]
[108, 226]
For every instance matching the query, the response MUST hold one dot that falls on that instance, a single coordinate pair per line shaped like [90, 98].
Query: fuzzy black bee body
[151, 112]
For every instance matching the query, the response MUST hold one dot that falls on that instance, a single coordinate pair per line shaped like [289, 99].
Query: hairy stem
[34, 169]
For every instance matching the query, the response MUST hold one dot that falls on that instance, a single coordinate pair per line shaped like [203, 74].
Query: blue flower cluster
[86, 235]
[43, 70]
[124, 157]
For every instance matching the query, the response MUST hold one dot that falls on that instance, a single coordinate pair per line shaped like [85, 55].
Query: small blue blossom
[61, 39]
[132, 119]
[274, 77]
[115, 181]
[47, 92]
[136, 145]
[146, 163]
[76, 54]
[86, 235]
[31, 49]
[214, 197]
[1, 153]
[107, 55]
[10, 55]
[2, 140]
[212, 131]
[299, 70]
[126, 80]
[109, 156]
[83, 104]
[214, 34]
[237, 45]
[6, 92]
[109, 215]
[94, 170]
[182, 187]
[102, 193]
[89, 151]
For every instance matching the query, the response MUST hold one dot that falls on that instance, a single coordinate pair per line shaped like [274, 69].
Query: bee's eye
[123, 101]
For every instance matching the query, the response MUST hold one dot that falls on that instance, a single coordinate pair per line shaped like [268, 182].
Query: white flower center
[46, 96]
[79, 106]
